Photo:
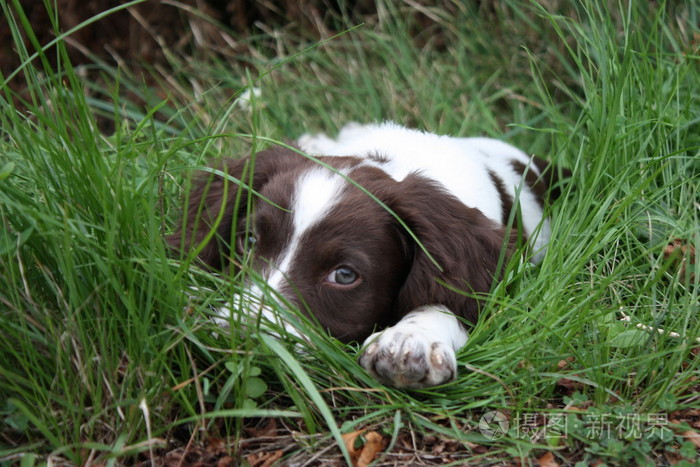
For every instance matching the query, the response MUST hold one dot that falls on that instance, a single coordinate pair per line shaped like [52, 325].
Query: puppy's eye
[246, 242]
[342, 276]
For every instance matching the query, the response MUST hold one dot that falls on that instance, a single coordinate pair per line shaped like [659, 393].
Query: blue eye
[342, 276]
[246, 242]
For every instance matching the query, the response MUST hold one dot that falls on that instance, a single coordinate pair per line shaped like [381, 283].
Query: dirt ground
[142, 32]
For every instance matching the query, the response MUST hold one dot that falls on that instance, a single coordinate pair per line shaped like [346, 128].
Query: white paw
[407, 357]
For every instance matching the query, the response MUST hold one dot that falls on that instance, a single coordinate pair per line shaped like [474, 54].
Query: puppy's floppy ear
[465, 244]
[216, 202]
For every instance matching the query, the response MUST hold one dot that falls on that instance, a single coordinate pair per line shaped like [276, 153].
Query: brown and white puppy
[393, 238]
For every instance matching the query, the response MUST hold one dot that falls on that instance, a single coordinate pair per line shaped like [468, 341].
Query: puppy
[389, 235]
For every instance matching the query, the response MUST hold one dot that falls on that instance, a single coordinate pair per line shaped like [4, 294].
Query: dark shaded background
[140, 33]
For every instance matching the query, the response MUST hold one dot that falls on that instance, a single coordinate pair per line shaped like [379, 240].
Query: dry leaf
[672, 458]
[226, 461]
[565, 385]
[363, 446]
[269, 429]
[693, 437]
[216, 445]
[565, 363]
[264, 459]
[568, 386]
[547, 460]
[683, 253]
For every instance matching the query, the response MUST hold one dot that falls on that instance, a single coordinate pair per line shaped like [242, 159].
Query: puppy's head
[352, 246]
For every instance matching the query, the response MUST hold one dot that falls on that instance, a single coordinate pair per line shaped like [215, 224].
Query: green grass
[105, 357]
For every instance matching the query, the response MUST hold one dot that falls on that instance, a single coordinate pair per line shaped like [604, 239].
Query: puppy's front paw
[408, 358]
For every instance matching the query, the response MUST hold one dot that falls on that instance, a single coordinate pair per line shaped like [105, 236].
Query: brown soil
[141, 34]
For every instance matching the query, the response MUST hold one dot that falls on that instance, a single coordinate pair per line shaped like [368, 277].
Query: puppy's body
[482, 173]
[324, 236]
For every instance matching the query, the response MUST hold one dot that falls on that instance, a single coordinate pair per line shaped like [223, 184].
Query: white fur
[419, 351]
[316, 193]
[461, 165]
[254, 308]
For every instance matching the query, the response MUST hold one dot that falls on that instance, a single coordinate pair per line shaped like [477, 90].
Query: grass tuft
[109, 353]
